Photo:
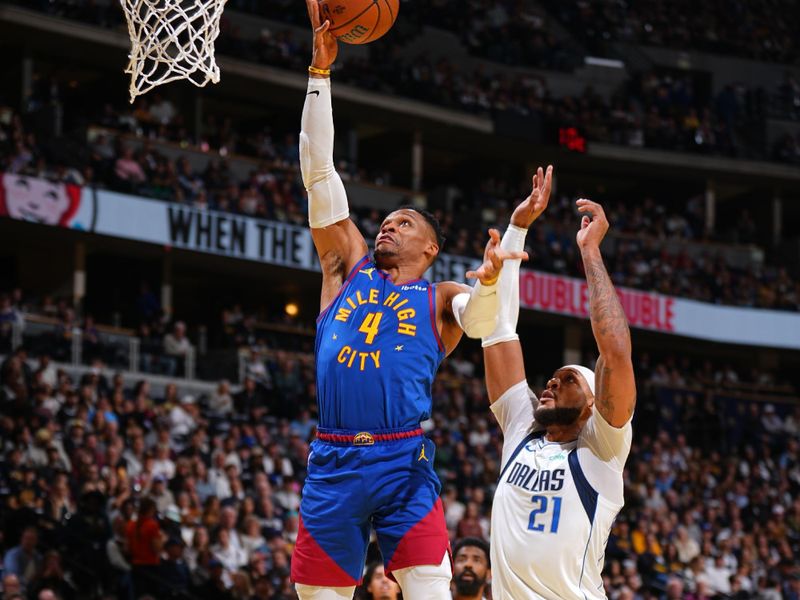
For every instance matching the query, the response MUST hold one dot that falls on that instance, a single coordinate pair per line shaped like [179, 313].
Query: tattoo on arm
[606, 400]
[613, 337]
[608, 319]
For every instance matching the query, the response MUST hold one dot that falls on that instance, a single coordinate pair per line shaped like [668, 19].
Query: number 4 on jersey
[370, 325]
[540, 508]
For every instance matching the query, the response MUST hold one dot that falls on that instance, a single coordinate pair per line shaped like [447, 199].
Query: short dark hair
[476, 543]
[431, 220]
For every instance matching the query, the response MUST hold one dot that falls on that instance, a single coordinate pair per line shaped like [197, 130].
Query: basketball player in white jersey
[561, 486]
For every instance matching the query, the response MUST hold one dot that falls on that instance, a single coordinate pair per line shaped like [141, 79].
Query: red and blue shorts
[358, 480]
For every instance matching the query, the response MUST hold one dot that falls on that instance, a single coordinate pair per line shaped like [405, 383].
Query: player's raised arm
[339, 243]
[615, 396]
[474, 310]
[502, 351]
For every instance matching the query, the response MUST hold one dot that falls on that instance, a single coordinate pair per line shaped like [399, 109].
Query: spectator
[177, 345]
[377, 586]
[23, 560]
[719, 576]
[161, 494]
[251, 400]
[471, 568]
[162, 111]
[221, 401]
[174, 572]
[470, 525]
[12, 588]
[183, 419]
[51, 578]
[215, 588]
[226, 552]
[145, 541]
[117, 559]
[128, 170]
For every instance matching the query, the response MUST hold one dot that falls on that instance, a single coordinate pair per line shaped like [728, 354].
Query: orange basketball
[359, 21]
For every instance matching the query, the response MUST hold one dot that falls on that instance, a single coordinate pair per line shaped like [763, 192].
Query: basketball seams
[377, 22]
[391, 12]
[353, 30]
[358, 16]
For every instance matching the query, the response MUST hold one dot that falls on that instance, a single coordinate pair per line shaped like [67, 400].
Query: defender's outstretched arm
[615, 398]
[502, 351]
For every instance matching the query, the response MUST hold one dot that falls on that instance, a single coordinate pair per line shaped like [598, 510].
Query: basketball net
[170, 40]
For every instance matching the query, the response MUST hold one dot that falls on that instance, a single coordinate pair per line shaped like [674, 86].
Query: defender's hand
[493, 258]
[533, 206]
[326, 47]
[594, 227]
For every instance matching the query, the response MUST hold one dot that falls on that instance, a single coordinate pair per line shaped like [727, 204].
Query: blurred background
[158, 285]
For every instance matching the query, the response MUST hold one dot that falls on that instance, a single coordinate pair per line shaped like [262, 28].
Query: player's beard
[382, 253]
[558, 415]
[469, 587]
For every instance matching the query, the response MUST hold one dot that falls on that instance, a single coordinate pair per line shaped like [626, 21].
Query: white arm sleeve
[327, 200]
[476, 312]
[508, 290]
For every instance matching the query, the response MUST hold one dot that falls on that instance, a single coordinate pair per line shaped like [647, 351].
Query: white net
[170, 40]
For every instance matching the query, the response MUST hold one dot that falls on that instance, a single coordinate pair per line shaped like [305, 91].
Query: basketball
[359, 21]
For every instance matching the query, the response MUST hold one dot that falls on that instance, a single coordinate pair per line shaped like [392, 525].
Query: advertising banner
[242, 237]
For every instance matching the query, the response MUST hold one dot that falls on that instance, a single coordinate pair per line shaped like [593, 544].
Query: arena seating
[212, 417]
[273, 191]
[712, 481]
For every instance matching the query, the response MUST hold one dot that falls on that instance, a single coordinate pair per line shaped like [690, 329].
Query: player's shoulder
[604, 437]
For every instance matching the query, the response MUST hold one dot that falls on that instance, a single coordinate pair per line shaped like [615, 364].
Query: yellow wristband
[317, 71]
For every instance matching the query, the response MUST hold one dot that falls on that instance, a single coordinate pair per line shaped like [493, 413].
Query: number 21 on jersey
[540, 515]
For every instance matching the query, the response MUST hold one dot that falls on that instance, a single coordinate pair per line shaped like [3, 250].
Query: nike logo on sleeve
[313, 92]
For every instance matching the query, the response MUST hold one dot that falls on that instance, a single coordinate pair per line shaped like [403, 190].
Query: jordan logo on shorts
[422, 454]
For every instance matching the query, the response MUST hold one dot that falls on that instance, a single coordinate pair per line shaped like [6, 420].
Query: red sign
[552, 293]
[571, 139]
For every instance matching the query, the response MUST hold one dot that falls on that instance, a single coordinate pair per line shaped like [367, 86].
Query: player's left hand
[534, 205]
[493, 258]
[593, 227]
[325, 47]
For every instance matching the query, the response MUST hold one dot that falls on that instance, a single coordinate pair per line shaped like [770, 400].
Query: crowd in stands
[111, 490]
[518, 32]
[746, 29]
[638, 254]
[120, 491]
[651, 111]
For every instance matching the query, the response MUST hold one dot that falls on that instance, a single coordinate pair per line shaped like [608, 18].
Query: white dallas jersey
[554, 505]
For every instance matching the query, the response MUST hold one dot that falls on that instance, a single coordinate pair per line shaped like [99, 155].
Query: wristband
[317, 71]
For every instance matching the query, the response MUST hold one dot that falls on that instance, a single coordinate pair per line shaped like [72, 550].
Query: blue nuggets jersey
[377, 352]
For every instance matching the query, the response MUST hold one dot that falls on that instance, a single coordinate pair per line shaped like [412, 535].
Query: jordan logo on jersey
[422, 455]
[368, 272]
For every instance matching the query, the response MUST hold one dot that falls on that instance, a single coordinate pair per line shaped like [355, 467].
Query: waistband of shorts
[353, 437]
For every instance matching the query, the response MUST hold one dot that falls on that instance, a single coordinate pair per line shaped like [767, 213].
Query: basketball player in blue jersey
[381, 334]
[561, 485]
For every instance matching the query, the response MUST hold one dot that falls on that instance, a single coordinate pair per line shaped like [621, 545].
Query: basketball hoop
[170, 40]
